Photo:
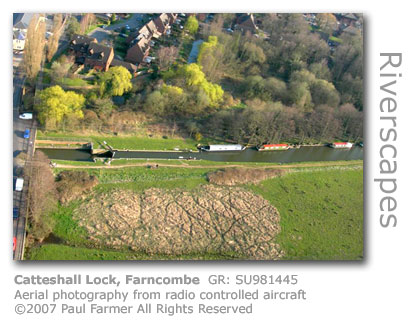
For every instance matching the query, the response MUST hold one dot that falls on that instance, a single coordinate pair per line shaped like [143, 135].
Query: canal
[303, 154]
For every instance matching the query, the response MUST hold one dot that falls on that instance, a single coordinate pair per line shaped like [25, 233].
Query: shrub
[72, 184]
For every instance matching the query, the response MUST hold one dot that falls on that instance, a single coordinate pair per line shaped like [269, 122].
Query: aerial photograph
[188, 136]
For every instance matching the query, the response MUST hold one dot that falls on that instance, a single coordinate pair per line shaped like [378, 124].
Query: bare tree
[52, 45]
[86, 21]
[166, 56]
[42, 196]
[34, 46]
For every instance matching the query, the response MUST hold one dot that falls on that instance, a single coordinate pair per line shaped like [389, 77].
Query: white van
[19, 184]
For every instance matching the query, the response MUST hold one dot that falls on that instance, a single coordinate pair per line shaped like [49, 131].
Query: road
[19, 144]
[103, 35]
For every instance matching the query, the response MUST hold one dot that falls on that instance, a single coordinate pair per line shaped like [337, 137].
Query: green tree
[115, 82]
[252, 53]
[155, 103]
[192, 25]
[103, 107]
[73, 27]
[300, 95]
[194, 76]
[60, 69]
[276, 88]
[206, 47]
[54, 104]
[324, 92]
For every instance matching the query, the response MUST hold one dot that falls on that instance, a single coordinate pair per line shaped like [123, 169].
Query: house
[21, 21]
[19, 40]
[245, 22]
[129, 66]
[162, 23]
[20, 26]
[148, 31]
[99, 57]
[172, 17]
[151, 26]
[348, 19]
[140, 41]
[138, 52]
[79, 47]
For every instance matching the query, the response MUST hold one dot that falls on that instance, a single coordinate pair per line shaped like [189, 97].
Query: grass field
[127, 142]
[321, 212]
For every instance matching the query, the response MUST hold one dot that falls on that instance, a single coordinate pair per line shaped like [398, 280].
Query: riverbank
[137, 143]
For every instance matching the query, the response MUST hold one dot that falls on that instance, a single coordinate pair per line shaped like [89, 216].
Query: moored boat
[271, 147]
[341, 145]
[223, 147]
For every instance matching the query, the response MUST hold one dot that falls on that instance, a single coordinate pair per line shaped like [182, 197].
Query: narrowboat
[341, 145]
[223, 147]
[268, 147]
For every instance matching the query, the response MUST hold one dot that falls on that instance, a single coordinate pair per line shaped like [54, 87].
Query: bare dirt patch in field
[211, 219]
[235, 176]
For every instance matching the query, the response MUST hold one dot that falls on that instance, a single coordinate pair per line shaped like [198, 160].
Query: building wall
[18, 44]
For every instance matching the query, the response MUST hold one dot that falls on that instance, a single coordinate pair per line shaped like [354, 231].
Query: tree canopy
[54, 104]
[192, 25]
[115, 82]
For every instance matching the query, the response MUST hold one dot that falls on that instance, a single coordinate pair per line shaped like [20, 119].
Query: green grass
[335, 39]
[75, 82]
[140, 178]
[120, 46]
[62, 252]
[66, 228]
[127, 142]
[321, 213]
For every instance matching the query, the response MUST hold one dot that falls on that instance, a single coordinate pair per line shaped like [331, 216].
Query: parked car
[15, 213]
[19, 184]
[27, 134]
[26, 116]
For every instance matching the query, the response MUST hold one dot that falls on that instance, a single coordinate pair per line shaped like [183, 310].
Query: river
[303, 154]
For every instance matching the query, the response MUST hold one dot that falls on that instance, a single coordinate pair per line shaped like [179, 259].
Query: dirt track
[211, 219]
